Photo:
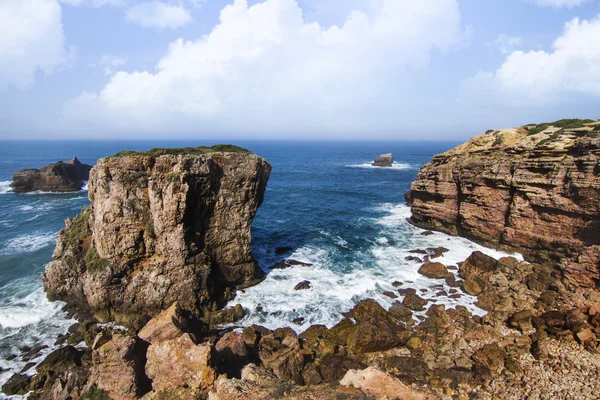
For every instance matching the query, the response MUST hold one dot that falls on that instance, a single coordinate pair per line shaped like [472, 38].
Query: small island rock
[58, 177]
[384, 160]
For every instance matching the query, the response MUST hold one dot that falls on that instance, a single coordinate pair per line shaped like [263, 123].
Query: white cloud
[263, 67]
[94, 3]
[507, 43]
[110, 63]
[563, 82]
[32, 40]
[559, 3]
[159, 15]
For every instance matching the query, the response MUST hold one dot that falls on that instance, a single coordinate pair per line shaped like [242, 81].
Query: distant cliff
[168, 225]
[534, 189]
[58, 177]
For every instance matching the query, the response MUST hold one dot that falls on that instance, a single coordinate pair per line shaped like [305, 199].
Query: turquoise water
[323, 199]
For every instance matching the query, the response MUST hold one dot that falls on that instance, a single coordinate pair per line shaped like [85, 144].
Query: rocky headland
[58, 177]
[533, 189]
[538, 338]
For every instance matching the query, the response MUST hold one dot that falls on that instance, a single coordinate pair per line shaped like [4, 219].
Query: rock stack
[58, 177]
[384, 160]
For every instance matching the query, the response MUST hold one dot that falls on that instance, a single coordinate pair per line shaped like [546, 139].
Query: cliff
[533, 189]
[169, 225]
[58, 177]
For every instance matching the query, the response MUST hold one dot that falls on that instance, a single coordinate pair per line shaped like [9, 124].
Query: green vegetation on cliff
[563, 124]
[225, 148]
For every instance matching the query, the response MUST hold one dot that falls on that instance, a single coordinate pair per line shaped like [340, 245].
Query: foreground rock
[384, 160]
[58, 177]
[171, 225]
[533, 189]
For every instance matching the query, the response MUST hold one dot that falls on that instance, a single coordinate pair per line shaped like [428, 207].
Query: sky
[294, 69]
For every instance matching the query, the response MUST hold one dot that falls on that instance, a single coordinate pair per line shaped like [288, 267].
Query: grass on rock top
[225, 148]
[563, 123]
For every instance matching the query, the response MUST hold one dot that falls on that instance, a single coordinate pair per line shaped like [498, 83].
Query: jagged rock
[17, 384]
[58, 177]
[161, 229]
[59, 361]
[334, 366]
[378, 384]
[180, 362]
[434, 270]
[400, 311]
[304, 285]
[535, 193]
[169, 324]
[254, 373]
[384, 160]
[414, 302]
[118, 368]
[231, 354]
[285, 264]
[280, 352]
[490, 359]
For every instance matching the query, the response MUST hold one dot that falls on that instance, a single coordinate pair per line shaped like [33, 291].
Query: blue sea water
[324, 200]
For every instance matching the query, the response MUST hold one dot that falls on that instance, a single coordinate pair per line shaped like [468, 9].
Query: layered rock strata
[533, 189]
[58, 177]
[161, 229]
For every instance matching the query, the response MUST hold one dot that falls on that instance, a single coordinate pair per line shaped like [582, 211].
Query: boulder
[16, 385]
[285, 264]
[384, 160]
[58, 177]
[180, 363]
[304, 285]
[118, 368]
[434, 270]
[414, 302]
[280, 352]
[380, 385]
[231, 354]
[333, 367]
[169, 324]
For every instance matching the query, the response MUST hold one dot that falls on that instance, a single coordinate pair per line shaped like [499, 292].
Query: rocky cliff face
[58, 177]
[161, 229]
[533, 189]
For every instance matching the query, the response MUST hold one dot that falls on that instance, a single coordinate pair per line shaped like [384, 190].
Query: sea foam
[338, 284]
[28, 243]
[395, 166]
[5, 187]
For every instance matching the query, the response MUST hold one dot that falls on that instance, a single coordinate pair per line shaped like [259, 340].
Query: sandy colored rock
[380, 385]
[434, 270]
[384, 160]
[161, 229]
[118, 368]
[169, 324]
[180, 363]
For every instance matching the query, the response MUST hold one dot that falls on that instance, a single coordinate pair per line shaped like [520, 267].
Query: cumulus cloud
[263, 67]
[94, 3]
[543, 84]
[32, 39]
[558, 3]
[159, 15]
[110, 63]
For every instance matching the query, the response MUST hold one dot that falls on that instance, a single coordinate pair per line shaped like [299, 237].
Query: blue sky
[294, 69]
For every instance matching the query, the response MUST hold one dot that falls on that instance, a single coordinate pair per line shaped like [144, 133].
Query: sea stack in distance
[58, 177]
[384, 160]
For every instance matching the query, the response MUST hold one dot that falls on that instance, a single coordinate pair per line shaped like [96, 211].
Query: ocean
[324, 200]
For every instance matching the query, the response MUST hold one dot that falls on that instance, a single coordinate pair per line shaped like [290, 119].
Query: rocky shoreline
[538, 340]
[58, 177]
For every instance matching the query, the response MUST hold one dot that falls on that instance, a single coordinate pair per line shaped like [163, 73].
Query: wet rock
[231, 354]
[413, 258]
[384, 160]
[183, 363]
[304, 285]
[400, 311]
[32, 353]
[415, 302]
[285, 264]
[27, 367]
[433, 270]
[59, 361]
[298, 320]
[391, 295]
[398, 284]
[406, 292]
[426, 233]
[224, 316]
[436, 252]
[16, 385]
